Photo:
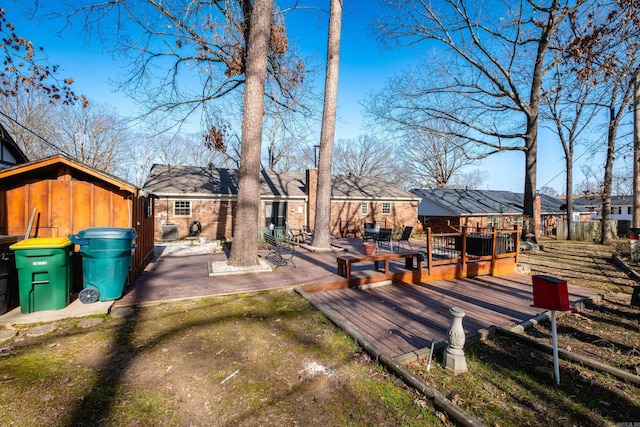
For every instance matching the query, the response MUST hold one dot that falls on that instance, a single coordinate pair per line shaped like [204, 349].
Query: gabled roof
[195, 181]
[461, 202]
[57, 160]
[10, 145]
[349, 187]
[593, 201]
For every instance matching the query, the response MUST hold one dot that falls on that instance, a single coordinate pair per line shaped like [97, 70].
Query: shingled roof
[349, 187]
[461, 202]
[195, 181]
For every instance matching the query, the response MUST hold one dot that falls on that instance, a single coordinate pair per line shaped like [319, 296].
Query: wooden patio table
[345, 261]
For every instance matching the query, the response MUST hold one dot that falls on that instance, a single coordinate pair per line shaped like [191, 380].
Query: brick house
[447, 209]
[188, 194]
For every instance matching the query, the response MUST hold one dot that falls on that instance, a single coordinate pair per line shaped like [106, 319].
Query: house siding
[402, 214]
[215, 217]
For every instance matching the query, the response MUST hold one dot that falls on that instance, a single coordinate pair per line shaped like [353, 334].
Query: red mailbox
[550, 293]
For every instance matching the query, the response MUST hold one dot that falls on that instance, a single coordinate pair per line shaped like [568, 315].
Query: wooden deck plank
[437, 309]
[398, 321]
[355, 311]
[389, 325]
[417, 314]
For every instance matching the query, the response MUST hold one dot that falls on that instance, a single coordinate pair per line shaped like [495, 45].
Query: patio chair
[369, 232]
[307, 232]
[295, 234]
[384, 238]
[406, 233]
[348, 227]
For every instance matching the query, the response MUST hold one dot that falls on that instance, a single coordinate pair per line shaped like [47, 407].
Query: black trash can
[8, 275]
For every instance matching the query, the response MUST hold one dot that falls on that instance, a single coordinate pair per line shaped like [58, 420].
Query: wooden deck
[402, 320]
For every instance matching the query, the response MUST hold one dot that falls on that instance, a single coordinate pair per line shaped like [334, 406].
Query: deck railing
[278, 232]
[471, 244]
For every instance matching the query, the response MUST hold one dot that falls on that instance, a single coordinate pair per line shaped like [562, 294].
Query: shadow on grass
[582, 398]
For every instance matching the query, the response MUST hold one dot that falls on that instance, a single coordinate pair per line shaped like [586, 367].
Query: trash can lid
[42, 243]
[108, 233]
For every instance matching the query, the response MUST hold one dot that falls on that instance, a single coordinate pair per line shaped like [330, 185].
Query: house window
[493, 221]
[182, 208]
[386, 208]
[629, 210]
[364, 208]
[275, 213]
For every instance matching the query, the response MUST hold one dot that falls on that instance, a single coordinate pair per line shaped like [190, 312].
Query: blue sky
[363, 68]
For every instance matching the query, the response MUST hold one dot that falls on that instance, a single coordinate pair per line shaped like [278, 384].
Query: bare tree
[548, 191]
[286, 133]
[27, 116]
[94, 135]
[486, 79]
[29, 88]
[623, 182]
[321, 235]
[289, 123]
[605, 48]
[364, 155]
[591, 184]
[435, 155]
[471, 180]
[570, 109]
[245, 225]
[180, 58]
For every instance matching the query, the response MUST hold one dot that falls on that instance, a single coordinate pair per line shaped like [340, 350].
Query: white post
[554, 334]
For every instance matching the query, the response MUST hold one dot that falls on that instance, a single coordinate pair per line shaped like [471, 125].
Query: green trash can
[45, 273]
[106, 258]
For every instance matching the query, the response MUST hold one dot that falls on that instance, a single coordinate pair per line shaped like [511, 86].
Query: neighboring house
[447, 209]
[67, 197]
[621, 207]
[11, 154]
[208, 196]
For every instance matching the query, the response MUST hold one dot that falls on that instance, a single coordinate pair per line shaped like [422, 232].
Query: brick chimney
[312, 189]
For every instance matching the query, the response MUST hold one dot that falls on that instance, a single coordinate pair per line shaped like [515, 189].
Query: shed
[68, 197]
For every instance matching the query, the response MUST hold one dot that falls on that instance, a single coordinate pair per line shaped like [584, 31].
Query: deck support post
[454, 358]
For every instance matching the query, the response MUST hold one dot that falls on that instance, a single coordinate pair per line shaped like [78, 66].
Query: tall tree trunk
[532, 225]
[569, 193]
[635, 222]
[322, 227]
[605, 226]
[245, 226]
